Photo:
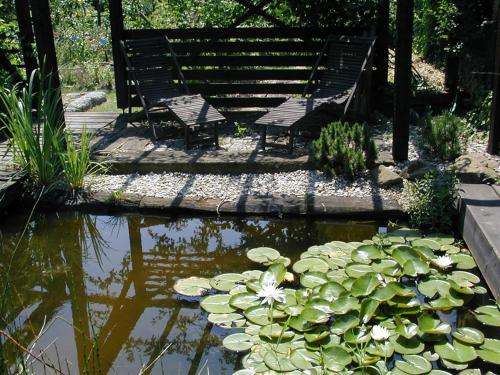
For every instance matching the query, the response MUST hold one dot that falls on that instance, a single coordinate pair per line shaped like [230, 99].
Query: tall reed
[34, 122]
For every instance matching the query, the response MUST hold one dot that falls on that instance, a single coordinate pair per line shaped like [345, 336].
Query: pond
[93, 293]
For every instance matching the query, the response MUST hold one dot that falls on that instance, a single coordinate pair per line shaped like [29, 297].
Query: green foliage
[430, 200]
[35, 147]
[242, 131]
[76, 161]
[344, 149]
[323, 318]
[444, 135]
[479, 116]
[435, 25]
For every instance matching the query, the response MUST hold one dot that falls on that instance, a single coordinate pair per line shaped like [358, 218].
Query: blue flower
[74, 38]
[103, 41]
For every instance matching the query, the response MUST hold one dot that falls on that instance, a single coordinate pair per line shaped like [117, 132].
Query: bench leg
[216, 135]
[290, 141]
[263, 137]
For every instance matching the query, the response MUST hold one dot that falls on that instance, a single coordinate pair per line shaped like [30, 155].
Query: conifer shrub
[344, 149]
[445, 136]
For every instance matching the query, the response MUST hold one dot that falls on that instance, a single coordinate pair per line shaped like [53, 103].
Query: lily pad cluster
[373, 306]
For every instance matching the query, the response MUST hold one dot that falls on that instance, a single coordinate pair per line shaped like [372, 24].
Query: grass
[109, 105]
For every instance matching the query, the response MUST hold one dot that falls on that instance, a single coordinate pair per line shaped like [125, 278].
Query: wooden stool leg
[216, 135]
[263, 137]
[290, 141]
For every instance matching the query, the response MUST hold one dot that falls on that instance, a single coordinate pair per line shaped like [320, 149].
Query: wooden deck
[103, 127]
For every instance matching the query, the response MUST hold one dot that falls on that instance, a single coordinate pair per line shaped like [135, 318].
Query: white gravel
[230, 187]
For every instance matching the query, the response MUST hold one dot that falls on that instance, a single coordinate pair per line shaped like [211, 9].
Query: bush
[479, 117]
[430, 200]
[444, 136]
[344, 149]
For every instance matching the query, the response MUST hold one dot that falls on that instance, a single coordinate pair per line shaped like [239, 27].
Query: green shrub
[479, 117]
[444, 136]
[35, 148]
[344, 149]
[430, 200]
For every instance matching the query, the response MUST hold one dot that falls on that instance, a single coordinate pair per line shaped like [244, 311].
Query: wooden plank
[242, 32]
[246, 74]
[261, 46]
[494, 137]
[117, 34]
[251, 61]
[403, 75]
[247, 88]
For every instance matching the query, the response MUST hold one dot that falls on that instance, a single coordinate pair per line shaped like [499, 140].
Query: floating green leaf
[218, 304]
[278, 362]
[344, 304]
[365, 285]
[226, 281]
[357, 269]
[434, 326]
[469, 336]
[238, 342]
[368, 309]
[274, 331]
[489, 315]
[414, 364]
[314, 315]
[311, 264]
[415, 267]
[431, 287]
[304, 359]
[231, 320]
[407, 346]
[456, 352]
[313, 279]
[263, 255]
[244, 300]
[343, 323]
[365, 254]
[430, 243]
[336, 358]
[192, 286]
[490, 351]
[331, 291]
[258, 315]
[463, 261]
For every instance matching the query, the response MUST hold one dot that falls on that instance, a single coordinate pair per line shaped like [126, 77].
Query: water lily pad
[313, 279]
[365, 285]
[490, 351]
[415, 267]
[255, 361]
[489, 315]
[317, 334]
[331, 291]
[407, 346]
[238, 342]
[275, 274]
[356, 270]
[368, 309]
[244, 300]
[343, 323]
[274, 331]
[469, 336]
[263, 255]
[454, 365]
[441, 238]
[431, 287]
[304, 359]
[471, 371]
[365, 254]
[450, 249]
[463, 261]
[336, 358]
[404, 253]
[380, 265]
[407, 329]
[252, 274]
[314, 315]
[414, 364]
[344, 304]
[424, 252]
[439, 372]
[258, 315]
[430, 356]
[385, 349]
[226, 281]
[231, 320]
[408, 234]
[446, 303]
[244, 372]
[464, 279]
[401, 290]
[356, 336]
[218, 304]
[278, 362]
[383, 294]
[434, 326]
[311, 264]
[456, 352]
[192, 286]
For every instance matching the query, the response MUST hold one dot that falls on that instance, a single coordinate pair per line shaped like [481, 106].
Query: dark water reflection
[100, 287]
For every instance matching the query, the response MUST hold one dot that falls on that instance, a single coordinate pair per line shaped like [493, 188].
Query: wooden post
[117, 28]
[26, 36]
[382, 45]
[403, 75]
[494, 140]
[42, 25]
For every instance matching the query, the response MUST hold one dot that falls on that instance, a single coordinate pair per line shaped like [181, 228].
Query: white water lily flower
[443, 261]
[270, 292]
[379, 333]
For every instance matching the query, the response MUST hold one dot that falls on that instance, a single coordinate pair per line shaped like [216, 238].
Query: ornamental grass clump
[372, 307]
[445, 136]
[344, 149]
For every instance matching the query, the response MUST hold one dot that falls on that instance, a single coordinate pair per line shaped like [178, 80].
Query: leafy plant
[76, 161]
[444, 135]
[430, 200]
[241, 131]
[479, 117]
[371, 306]
[35, 142]
[344, 149]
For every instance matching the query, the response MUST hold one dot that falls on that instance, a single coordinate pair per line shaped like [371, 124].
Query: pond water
[94, 293]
